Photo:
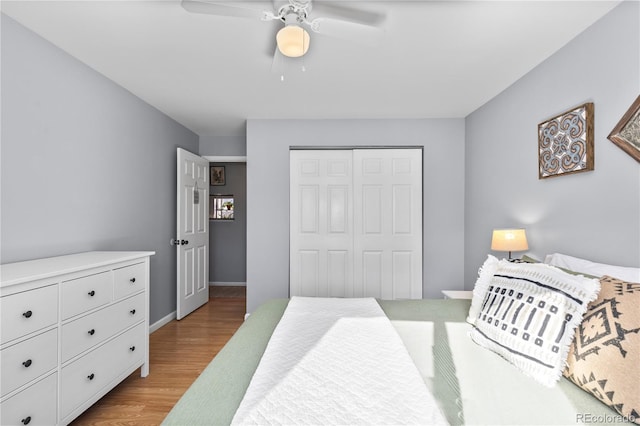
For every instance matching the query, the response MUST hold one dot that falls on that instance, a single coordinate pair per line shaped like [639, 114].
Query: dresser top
[19, 272]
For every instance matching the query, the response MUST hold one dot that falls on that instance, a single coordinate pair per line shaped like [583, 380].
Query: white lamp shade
[293, 41]
[509, 240]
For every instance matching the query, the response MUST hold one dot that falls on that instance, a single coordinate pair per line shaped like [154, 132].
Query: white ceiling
[211, 73]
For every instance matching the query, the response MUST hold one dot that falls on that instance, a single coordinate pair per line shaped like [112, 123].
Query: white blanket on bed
[336, 361]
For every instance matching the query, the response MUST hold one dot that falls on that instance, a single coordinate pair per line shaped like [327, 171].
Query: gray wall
[593, 214]
[225, 145]
[268, 143]
[228, 239]
[85, 164]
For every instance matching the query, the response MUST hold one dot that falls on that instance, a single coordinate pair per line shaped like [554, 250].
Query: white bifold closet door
[356, 223]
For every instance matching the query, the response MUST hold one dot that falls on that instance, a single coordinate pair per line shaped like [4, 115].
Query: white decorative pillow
[529, 315]
[592, 268]
[482, 284]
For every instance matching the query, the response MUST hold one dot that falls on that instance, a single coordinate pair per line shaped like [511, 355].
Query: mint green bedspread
[472, 385]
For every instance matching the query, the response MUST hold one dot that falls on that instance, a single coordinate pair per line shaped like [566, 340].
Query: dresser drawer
[35, 405]
[83, 333]
[27, 360]
[86, 376]
[86, 293]
[29, 311]
[129, 280]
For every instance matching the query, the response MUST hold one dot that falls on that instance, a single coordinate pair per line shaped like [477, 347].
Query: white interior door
[356, 223]
[388, 223]
[321, 225]
[193, 233]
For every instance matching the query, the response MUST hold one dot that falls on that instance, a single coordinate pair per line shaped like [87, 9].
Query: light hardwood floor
[179, 352]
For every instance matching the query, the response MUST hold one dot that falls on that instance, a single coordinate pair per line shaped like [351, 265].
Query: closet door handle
[27, 314]
[92, 293]
[91, 376]
[133, 280]
[132, 348]
[132, 312]
[27, 363]
[26, 420]
[91, 332]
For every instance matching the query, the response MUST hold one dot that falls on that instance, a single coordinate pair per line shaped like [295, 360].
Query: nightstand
[457, 294]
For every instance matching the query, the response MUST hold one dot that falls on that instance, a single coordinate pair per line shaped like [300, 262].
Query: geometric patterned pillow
[604, 358]
[529, 314]
[485, 273]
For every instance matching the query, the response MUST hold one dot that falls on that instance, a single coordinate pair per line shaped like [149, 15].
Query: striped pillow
[529, 314]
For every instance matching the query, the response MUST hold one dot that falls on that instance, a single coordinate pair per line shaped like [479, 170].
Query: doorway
[228, 227]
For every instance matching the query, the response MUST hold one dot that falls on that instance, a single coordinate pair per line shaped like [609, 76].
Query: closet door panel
[338, 272]
[372, 211]
[309, 279]
[372, 273]
[321, 223]
[309, 214]
[402, 274]
[388, 220]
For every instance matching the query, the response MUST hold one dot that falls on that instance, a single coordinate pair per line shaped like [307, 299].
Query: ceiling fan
[329, 18]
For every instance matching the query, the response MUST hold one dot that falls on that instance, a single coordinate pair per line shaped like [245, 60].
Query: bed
[446, 342]
[471, 385]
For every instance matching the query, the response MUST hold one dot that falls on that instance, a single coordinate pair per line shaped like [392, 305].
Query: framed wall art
[626, 134]
[565, 143]
[217, 176]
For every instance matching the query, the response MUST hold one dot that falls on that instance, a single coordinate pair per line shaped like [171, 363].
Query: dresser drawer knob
[132, 348]
[27, 363]
[133, 280]
[91, 376]
[26, 420]
[27, 314]
[91, 332]
[133, 312]
[92, 293]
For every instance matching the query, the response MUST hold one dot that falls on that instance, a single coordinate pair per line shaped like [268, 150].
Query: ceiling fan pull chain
[267, 15]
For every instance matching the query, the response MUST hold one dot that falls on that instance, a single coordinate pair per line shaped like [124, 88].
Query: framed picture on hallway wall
[626, 134]
[217, 175]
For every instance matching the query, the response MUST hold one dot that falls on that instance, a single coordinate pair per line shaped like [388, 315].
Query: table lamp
[509, 240]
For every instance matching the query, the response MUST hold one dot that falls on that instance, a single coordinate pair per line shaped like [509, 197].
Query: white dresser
[72, 327]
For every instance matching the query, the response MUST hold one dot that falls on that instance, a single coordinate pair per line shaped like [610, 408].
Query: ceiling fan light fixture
[293, 41]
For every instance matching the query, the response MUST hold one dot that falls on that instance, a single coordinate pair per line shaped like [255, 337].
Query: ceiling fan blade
[346, 30]
[337, 10]
[270, 40]
[240, 9]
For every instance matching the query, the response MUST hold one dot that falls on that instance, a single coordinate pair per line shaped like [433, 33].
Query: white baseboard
[228, 283]
[162, 322]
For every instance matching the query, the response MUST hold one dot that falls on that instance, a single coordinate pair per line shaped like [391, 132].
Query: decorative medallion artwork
[626, 134]
[565, 143]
